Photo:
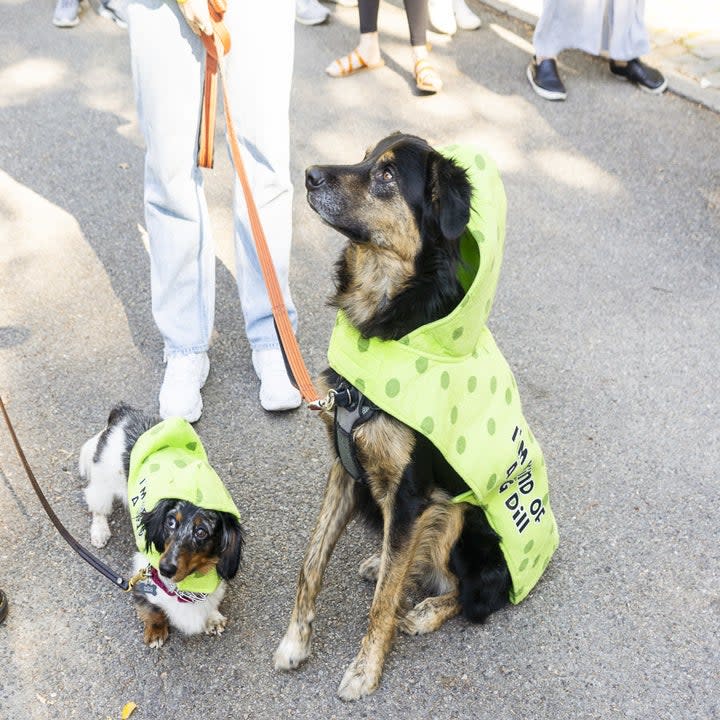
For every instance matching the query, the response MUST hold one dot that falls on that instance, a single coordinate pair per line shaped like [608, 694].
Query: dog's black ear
[450, 195]
[231, 545]
[154, 524]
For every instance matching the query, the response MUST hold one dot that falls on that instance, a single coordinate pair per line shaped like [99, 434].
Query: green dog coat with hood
[169, 461]
[449, 381]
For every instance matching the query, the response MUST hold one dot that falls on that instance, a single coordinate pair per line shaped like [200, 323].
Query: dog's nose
[314, 177]
[168, 569]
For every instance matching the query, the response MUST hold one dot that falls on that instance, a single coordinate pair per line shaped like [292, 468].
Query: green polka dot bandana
[449, 381]
[169, 461]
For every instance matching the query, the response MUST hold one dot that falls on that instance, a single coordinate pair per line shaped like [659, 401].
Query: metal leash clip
[137, 577]
[325, 404]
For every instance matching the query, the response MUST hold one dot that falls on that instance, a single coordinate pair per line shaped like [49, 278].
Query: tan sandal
[352, 63]
[426, 77]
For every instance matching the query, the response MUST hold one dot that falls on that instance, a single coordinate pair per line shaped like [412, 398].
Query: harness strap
[352, 409]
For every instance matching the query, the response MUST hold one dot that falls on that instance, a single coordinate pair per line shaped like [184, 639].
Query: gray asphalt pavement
[607, 311]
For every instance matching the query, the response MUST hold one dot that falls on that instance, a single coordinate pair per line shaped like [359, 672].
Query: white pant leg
[259, 77]
[628, 37]
[592, 25]
[167, 65]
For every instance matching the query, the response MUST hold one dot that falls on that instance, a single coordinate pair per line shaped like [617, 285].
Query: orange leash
[288, 342]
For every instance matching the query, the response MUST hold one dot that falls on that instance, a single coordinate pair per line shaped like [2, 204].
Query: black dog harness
[352, 409]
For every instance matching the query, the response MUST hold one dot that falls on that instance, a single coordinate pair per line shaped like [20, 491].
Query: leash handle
[217, 46]
[86, 555]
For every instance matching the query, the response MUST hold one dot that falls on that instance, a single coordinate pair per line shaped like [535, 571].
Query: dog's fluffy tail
[87, 453]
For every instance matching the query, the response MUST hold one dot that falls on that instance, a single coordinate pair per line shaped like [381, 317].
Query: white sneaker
[465, 18]
[66, 13]
[310, 12]
[442, 17]
[276, 390]
[180, 391]
[115, 10]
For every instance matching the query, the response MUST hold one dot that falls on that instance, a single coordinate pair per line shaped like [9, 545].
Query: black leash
[86, 555]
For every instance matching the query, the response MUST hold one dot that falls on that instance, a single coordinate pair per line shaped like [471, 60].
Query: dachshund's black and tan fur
[403, 210]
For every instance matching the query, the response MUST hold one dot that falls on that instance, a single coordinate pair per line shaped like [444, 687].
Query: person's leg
[182, 259]
[549, 39]
[627, 35]
[367, 54]
[259, 76]
[426, 77]
[627, 39]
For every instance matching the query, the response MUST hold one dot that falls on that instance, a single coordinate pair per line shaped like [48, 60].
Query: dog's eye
[387, 175]
[171, 522]
[200, 533]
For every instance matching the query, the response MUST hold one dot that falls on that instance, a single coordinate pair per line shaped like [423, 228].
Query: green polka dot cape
[449, 381]
[169, 461]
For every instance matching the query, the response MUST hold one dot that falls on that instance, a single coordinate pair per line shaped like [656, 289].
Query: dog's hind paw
[359, 680]
[370, 568]
[429, 615]
[292, 650]
[215, 624]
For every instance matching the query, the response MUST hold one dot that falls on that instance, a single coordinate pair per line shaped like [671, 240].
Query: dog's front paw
[293, 649]
[369, 569]
[99, 531]
[360, 679]
[156, 635]
[215, 624]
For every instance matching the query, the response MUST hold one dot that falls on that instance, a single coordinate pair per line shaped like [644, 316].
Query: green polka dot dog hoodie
[169, 461]
[449, 381]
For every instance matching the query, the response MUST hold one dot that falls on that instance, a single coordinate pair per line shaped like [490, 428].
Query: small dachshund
[185, 539]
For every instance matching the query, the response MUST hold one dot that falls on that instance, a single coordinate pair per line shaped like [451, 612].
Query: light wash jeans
[167, 65]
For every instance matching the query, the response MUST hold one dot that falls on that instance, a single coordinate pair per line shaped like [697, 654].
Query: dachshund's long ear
[231, 545]
[154, 524]
[450, 195]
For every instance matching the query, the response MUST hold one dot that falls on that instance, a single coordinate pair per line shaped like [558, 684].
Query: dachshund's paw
[156, 635]
[215, 624]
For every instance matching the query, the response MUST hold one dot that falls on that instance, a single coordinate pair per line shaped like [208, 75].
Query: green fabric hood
[450, 382]
[169, 461]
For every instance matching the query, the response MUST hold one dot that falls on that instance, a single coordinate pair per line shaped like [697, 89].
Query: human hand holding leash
[197, 16]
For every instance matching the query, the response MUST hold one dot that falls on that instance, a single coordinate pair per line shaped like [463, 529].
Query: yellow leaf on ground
[128, 710]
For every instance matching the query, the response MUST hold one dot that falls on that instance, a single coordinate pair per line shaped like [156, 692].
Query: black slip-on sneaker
[645, 77]
[544, 79]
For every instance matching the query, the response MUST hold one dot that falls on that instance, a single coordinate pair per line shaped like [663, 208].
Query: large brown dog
[403, 210]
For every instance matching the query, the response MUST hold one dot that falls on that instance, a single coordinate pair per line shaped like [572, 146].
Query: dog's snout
[314, 177]
[168, 569]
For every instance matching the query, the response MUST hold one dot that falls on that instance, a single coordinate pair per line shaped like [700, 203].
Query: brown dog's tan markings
[378, 275]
